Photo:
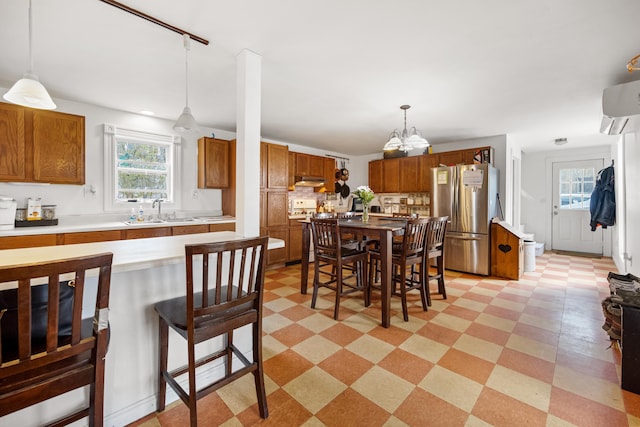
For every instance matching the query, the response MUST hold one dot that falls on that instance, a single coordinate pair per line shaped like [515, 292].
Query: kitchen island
[144, 271]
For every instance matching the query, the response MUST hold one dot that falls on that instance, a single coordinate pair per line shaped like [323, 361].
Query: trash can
[529, 255]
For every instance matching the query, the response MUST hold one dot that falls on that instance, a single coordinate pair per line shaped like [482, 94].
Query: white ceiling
[334, 73]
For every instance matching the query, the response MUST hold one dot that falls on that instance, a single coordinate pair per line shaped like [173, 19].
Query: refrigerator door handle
[464, 237]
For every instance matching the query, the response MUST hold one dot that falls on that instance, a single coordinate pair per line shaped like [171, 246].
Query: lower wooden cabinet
[142, 233]
[30, 241]
[190, 229]
[90, 237]
[278, 256]
[294, 245]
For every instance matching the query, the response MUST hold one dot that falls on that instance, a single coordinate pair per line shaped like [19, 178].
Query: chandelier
[408, 139]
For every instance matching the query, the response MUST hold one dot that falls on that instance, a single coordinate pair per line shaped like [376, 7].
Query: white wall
[631, 206]
[536, 190]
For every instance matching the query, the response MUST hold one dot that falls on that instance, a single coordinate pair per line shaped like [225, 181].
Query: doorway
[573, 183]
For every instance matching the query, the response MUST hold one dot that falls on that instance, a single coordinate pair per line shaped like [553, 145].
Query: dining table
[376, 228]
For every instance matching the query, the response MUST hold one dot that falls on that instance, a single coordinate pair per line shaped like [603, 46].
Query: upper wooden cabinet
[213, 163]
[375, 175]
[391, 176]
[276, 163]
[413, 173]
[329, 175]
[409, 173]
[308, 164]
[41, 146]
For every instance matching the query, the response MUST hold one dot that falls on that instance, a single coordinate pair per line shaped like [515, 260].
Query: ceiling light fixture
[186, 122]
[408, 139]
[28, 91]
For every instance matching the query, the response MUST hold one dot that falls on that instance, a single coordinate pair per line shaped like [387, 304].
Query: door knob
[555, 212]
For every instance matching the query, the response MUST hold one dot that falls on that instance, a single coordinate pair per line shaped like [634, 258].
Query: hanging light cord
[187, 43]
[30, 42]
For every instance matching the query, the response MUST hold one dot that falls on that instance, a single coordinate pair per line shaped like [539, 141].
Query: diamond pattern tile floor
[495, 352]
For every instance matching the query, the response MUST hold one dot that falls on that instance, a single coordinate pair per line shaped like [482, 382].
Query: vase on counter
[365, 212]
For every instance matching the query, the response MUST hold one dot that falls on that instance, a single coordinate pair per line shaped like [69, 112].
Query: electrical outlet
[194, 194]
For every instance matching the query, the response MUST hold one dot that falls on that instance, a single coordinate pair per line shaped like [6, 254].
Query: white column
[249, 74]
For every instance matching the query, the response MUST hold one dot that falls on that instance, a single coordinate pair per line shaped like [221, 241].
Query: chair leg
[365, 282]
[336, 310]
[316, 284]
[193, 393]
[259, 372]
[424, 286]
[229, 349]
[441, 288]
[403, 292]
[163, 348]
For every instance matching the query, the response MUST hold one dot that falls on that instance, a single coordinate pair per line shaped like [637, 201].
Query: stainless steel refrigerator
[467, 194]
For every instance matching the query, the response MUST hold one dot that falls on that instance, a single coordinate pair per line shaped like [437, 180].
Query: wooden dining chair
[47, 349]
[329, 250]
[409, 270]
[435, 251]
[224, 290]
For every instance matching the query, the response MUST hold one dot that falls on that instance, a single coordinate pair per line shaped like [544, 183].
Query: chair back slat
[326, 236]
[415, 236]
[236, 269]
[437, 230]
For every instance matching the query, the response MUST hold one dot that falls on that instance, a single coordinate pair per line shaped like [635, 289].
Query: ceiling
[334, 73]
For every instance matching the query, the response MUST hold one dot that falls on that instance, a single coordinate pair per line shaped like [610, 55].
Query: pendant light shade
[28, 91]
[408, 139]
[186, 122]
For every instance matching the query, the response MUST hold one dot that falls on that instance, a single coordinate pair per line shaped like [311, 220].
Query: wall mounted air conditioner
[621, 108]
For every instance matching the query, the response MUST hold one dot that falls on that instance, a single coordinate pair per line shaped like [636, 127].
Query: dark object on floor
[229, 299]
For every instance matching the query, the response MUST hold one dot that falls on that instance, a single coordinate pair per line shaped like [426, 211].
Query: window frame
[111, 135]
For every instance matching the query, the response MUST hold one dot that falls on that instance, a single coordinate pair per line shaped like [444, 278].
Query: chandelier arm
[631, 65]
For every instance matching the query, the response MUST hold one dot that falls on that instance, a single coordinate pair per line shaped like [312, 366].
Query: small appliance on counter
[36, 214]
[8, 206]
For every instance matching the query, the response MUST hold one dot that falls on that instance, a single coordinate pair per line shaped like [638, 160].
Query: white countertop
[84, 223]
[128, 255]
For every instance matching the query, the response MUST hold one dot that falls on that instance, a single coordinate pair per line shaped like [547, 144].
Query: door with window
[573, 183]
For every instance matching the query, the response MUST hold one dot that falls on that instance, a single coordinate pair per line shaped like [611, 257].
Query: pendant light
[186, 122]
[408, 139]
[28, 91]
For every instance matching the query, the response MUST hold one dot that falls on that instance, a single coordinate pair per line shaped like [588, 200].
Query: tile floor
[495, 352]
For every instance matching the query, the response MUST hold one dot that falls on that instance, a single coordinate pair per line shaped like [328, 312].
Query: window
[140, 167]
[576, 186]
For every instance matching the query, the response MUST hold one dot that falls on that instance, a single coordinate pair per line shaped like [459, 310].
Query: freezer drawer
[467, 252]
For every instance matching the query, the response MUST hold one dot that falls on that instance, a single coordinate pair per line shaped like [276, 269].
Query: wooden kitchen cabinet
[409, 174]
[142, 233]
[277, 210]
[294, 245]
[90, 236]
[225, 226]
[278, 256]
[391, 176]
[375, 175]
[41, 146]
[291, 173]
[451, 158]
[189, 229]
[329, 175]
[27, 241]
[425, 163]
[213, 163]
[12, 143]
[308, 164]
[277, 166]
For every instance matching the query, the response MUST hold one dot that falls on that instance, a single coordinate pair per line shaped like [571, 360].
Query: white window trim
[110, 133]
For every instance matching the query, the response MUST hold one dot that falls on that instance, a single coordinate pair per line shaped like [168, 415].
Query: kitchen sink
[151, 221]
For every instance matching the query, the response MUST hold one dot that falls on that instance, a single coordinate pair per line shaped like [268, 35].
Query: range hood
[621, 109]
[309, 181]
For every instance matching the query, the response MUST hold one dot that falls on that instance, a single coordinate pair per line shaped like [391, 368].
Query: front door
[573, 183]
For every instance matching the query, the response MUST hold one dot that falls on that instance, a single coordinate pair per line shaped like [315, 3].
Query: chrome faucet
[159, 203]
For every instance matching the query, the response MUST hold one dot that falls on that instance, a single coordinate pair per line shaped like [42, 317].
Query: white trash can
[529, 256]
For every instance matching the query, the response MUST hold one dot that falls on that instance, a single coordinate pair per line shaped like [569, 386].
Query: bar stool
[231, 277]
[328, 250]
[47, 348]
[406, 255]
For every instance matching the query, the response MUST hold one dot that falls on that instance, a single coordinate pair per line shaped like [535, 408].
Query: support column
[248, 110]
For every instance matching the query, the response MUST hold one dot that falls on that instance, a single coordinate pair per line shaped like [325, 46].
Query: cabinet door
[291, 173]
[375, 175]
[58, 147]
[316, 166]
[409, 176]
[451, 158]
[295, 242]
[213, 163]
[92, 236]
[303, 164]
[391, 176]
[142, 233]
[329, 175]
[263, 164]
[278, 256]
[28, 241]
[277, 166]
[277, 215]
[426, 162]
[189, 229]
[12, 143]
